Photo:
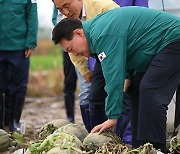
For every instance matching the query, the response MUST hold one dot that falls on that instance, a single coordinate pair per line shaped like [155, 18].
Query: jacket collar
[86, 27]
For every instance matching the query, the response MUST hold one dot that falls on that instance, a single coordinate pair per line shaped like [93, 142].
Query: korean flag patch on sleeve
[33, 1]
[101, 56]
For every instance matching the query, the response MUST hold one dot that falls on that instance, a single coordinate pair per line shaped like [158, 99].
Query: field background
[46, 70]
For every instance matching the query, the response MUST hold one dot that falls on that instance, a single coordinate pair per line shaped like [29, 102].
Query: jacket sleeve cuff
[113, 116]
[129, 74]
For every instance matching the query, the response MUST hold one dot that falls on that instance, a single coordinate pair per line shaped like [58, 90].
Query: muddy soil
[38, 111]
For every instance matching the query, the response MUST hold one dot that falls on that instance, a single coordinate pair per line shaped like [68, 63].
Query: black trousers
[155, 93]
[70, 77]
[134, 106]
[70, 80]
[177, 109]
[17, 65]
[97, 93]
[97, 97]
[124, 118]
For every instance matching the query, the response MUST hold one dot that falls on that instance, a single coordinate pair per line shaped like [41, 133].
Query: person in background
[71, 74]
[134, 44]
[70, 77]
[18, 28]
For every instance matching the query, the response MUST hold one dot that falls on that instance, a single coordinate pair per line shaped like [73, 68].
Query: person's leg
[134, 107]
[127, 136]
[19, 65]
[85, 116]
[83, 99]
[124, 119]
[97, 97]
[70, 79]
[177, 109]
[7, 114]
[3, 68]
[7, 98]
[156, 91]
[1, 111]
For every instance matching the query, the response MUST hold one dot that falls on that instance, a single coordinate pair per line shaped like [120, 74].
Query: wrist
[31, 48]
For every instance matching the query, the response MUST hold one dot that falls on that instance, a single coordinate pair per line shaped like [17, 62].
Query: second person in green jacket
[18, 38]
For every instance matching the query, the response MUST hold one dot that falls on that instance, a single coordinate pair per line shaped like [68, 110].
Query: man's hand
[127, 83]
[28, 53]
[88, 76]
[108, 124]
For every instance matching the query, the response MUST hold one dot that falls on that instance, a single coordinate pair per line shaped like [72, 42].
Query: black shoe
[71, 120]
[15, 126]
[16, 110]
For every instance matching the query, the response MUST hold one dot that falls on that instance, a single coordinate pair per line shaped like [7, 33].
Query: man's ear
[79, 32]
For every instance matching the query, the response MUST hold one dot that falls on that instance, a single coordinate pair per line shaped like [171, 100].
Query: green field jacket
[18, 24]
[127, 39]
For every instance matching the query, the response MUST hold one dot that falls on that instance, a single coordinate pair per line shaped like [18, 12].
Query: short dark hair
[64, 29]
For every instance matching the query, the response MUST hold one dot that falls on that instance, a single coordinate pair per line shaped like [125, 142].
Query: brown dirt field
[39, 111]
